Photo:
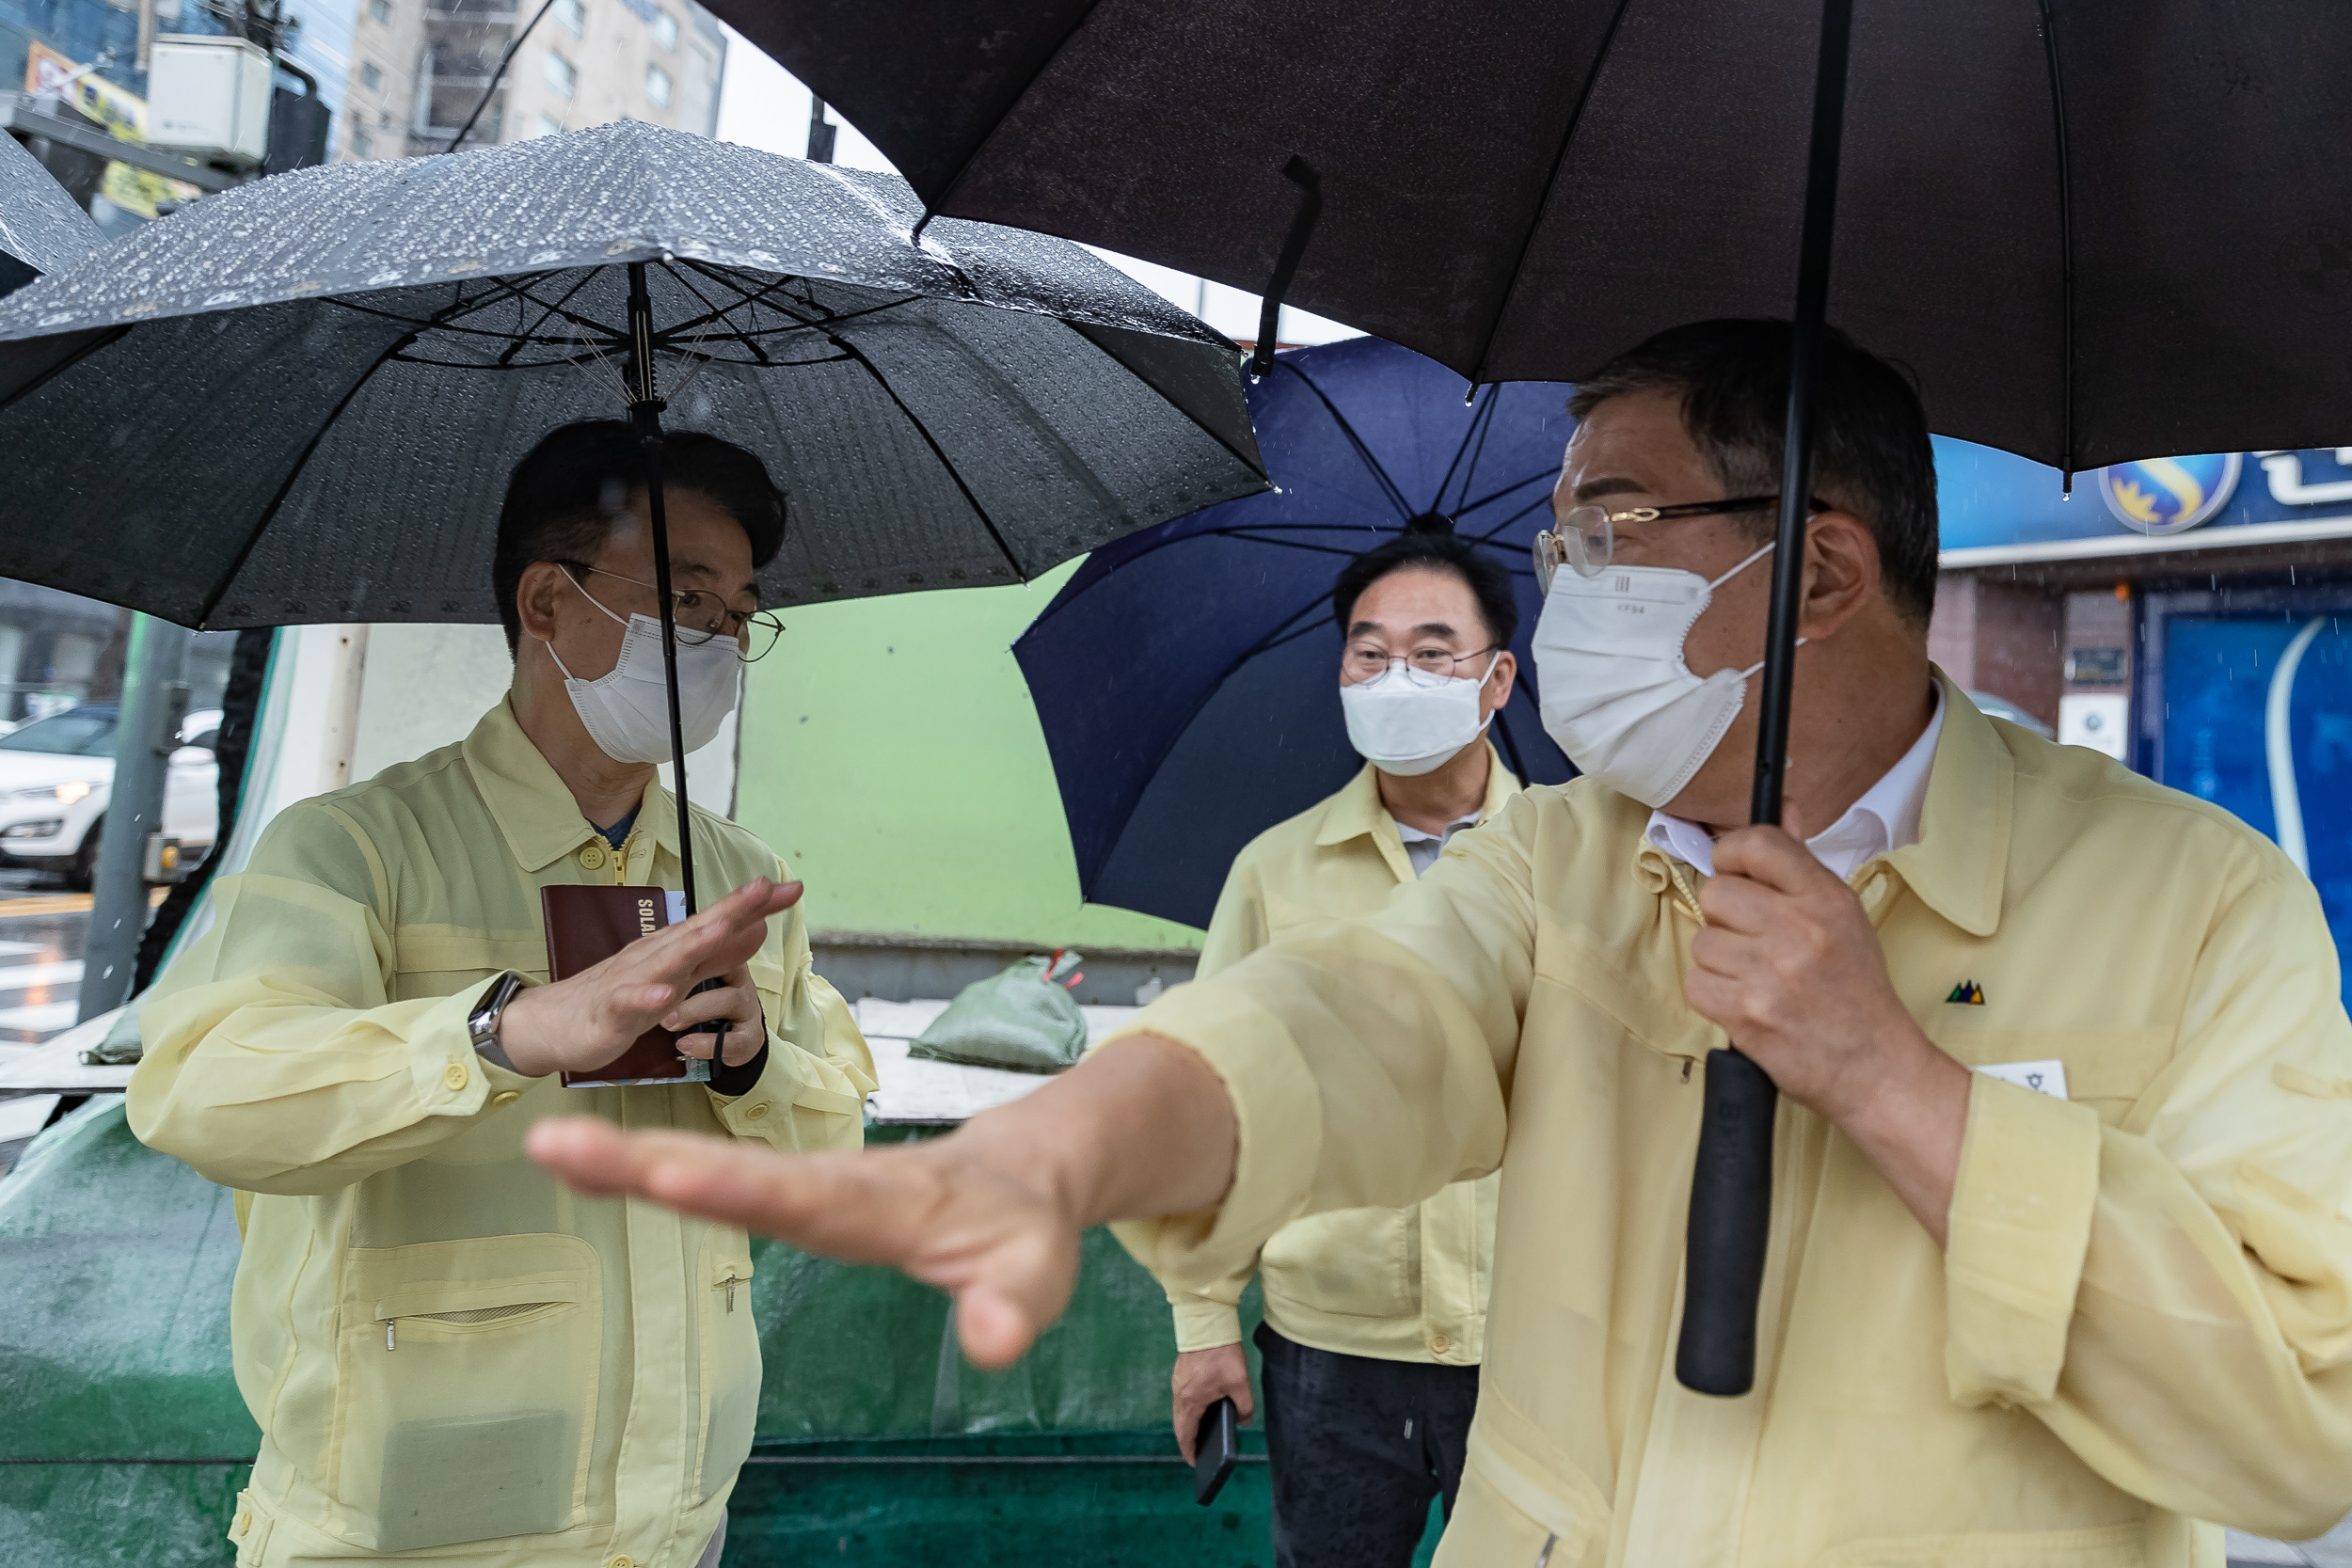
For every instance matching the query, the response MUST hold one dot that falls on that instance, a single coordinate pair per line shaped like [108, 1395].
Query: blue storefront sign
[2242, 693]
[1998, 507]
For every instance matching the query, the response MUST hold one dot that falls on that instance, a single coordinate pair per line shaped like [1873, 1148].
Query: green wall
[891, 756]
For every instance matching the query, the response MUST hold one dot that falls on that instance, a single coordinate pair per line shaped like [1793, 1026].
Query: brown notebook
[587, 925]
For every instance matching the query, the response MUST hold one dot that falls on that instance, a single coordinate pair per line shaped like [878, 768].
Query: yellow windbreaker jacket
[2144, 1314]
[1403, 1284]
[444, 1347]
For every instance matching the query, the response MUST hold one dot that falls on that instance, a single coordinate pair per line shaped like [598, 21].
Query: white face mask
[626, 712]
[1616, 694]
[1408, 723]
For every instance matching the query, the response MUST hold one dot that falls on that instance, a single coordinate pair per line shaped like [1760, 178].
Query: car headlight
[64, 794]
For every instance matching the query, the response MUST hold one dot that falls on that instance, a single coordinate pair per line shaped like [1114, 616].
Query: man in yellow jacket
[2061, 1259]
[1374, 1318]
[448, 1353]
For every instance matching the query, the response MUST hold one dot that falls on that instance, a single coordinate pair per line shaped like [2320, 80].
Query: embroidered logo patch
[1967, 992]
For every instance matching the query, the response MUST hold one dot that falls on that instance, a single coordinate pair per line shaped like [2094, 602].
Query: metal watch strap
[482, 1024]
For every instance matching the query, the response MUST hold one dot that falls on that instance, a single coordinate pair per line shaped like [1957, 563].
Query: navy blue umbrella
[1187, 675]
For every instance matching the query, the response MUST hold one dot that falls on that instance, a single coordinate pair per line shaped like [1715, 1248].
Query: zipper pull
[1686, 1070]
[389, 1325]
[730, 1290]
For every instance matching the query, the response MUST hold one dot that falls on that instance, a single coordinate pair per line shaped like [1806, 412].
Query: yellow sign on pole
[123, 112]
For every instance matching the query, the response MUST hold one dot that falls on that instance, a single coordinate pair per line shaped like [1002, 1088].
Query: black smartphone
[1215, 1449]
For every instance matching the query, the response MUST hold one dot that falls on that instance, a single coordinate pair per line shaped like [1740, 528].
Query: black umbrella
[2098, 230]
[41, 229]
[299, 400]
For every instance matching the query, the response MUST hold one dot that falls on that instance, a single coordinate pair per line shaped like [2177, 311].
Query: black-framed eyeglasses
[702, 616]
[1364, 660]
[1585, 538]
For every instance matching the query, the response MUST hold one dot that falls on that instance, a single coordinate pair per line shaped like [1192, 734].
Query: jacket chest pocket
[730, 1357]
[466, 1389]
[441, 960]
[2107, 1069]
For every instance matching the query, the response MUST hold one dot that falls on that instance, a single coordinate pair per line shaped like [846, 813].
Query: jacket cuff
[450, 1077]
[734, 1082]
[2017, 1233]
[1205, 1325]
[1279, 1113]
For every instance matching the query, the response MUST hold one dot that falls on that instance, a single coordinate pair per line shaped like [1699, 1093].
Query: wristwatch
[482, 1024]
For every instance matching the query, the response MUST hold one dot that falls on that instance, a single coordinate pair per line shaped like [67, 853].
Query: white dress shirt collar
[1884, 820]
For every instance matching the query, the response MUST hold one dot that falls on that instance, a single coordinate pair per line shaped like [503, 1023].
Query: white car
[55, 774]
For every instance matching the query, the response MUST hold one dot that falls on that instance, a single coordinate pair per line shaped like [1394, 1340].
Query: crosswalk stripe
[25, 976]
[17, 949]
[48, 1016]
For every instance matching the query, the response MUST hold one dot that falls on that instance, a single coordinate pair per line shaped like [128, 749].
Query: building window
[381, 10]
[371, 76]
[361, 146]
[665, 30]
[658, 86]
[573, 17]
[563, 77]
[549, 126]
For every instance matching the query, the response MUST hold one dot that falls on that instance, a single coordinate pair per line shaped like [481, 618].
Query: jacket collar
[536, 813]
[1355, 810]
[1959, 865]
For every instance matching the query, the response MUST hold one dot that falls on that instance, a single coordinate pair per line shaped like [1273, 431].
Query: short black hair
[1429, 544]
[561, 497]
[1871, 455]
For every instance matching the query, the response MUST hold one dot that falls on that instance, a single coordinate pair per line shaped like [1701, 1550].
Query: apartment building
[420, 66]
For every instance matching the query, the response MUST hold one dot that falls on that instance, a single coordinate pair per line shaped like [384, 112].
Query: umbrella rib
[1559, 161]
[1477, 425]
[964, 164]
[107, 336]
[1256, 465]
[1493, 496]
[1485, 427]
[923, 430]
[309, 449]
[562, 300]
[2066, 244]
[1396, 496]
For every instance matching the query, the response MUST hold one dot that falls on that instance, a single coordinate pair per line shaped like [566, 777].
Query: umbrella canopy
[1186, 676]
[299, 400]
[41, 229]
[2096, 231]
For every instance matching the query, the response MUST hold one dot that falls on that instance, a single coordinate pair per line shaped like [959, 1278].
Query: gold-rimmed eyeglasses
[1585, 538]
[702, 616]
[1363, 660]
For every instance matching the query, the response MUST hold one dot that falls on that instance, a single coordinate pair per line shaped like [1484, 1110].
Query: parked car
[56, 773]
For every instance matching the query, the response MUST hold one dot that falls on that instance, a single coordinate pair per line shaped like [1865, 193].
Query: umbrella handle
[1731, 1184]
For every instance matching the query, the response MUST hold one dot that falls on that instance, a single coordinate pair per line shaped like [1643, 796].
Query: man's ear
[1841, 572]
[1499, 687]
[535, 598]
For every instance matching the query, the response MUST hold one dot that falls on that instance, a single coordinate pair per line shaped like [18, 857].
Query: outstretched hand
[991, 1214]
[1003, 1247]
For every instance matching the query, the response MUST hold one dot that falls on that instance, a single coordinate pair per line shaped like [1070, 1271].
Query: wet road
[43, 927]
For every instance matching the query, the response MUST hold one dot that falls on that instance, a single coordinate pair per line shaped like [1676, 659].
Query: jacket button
[593, 857]
[454, 1075]
[1441, 1341]
[757, 1111]
[244, 1520]
[503, 1098]
[623, 1560]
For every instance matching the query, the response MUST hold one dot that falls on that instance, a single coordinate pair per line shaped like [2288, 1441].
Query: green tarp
[878, 1443]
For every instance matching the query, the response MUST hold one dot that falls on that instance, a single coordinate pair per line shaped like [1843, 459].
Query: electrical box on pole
[210, 97]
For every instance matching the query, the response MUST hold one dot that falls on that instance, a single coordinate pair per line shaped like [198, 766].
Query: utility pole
[820, 132]
[154, 704]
